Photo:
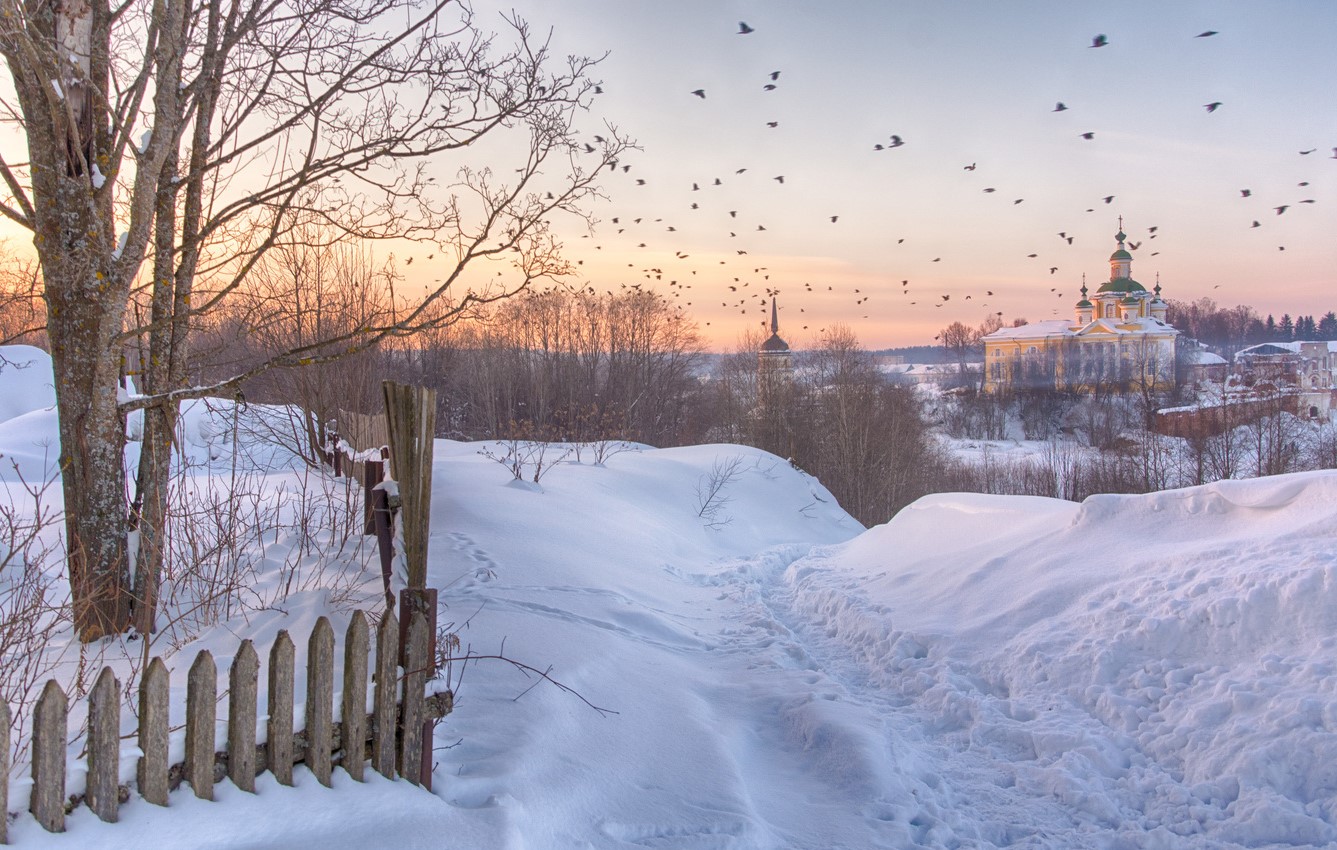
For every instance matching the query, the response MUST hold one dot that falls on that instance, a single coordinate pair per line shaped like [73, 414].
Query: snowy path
[915, 751]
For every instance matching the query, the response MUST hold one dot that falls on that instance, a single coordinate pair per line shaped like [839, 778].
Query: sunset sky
[962, 84]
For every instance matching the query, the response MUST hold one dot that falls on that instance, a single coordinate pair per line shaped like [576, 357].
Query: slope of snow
[1131, 672]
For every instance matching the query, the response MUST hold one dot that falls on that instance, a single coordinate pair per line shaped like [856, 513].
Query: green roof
[1121, 254]
[1084, 303]
[1122, 284]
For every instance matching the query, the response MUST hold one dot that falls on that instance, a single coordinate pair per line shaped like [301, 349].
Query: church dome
[775, 344]
[1122, 284]
[1121, 254]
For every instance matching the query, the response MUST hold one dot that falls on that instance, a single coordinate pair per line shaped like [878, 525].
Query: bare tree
[171, 144]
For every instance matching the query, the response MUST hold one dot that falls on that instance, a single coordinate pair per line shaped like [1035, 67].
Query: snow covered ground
[1129, 672]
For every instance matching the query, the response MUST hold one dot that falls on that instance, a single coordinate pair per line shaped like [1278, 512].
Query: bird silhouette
[896, 142]
[779, 178]
[1100, 41]
[1059, 107]
[1088, 136]
[970, 167]
[1211, 107]
[1281, 209]
[1109, 199]
[1308, 152]
[1205, 34]
[769, 87]
[701, 93]
[1244, 193]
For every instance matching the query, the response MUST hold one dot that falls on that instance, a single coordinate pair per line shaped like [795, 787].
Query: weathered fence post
[279, 749]
[373, 473]
[410, 413]
[320, 699]
[243, 681]
[5, 718]
[353, 709]
[386, 697]
[48, 758]
[412, 710]
[152, 769]
[201, 715]
[104, 746]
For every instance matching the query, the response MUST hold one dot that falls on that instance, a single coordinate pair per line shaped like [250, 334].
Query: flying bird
[743, 28]
[1281, 209]
[701, 93]
[971, 167]
[1255, 224]
[1059, 107]
[779, 178]
[1306, 153]
[1205, 34]
[1100, 41]
[1211, 107]
[1109, 199]
[1088, 136]
[896, 142]
[769, 87]
[1244, 193]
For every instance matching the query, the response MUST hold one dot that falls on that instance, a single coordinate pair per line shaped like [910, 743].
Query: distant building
[1117, 340]
[940, 374]
[1305, 369]
[775, 362]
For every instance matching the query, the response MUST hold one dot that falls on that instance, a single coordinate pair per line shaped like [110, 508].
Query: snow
[1152, 671]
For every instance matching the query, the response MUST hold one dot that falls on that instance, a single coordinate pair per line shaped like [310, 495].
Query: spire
[775, 318]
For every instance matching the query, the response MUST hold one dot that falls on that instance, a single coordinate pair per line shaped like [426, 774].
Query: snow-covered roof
[1203, 357]
[1292, 347]
[1066, 328]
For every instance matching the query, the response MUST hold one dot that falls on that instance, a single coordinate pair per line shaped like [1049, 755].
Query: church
[1117, 340]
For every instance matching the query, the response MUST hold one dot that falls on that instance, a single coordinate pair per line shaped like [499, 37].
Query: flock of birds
[745, 287]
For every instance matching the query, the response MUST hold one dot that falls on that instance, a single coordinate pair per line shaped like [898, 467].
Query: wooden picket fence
[396, 736]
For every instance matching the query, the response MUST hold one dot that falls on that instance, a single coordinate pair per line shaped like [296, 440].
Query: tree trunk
[84, 317]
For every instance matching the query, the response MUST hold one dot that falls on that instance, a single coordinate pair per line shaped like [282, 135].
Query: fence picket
[201, 717]
[279, 750]
[320, 699]
[399, 728]
[353, 737]
[104, 746]
[243, 681]
[48, 758]
[412, 710]
[387, 681]
[151, 771]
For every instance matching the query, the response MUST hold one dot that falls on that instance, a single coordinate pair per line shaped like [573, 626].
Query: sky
[970, 87]
[1151, 671]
